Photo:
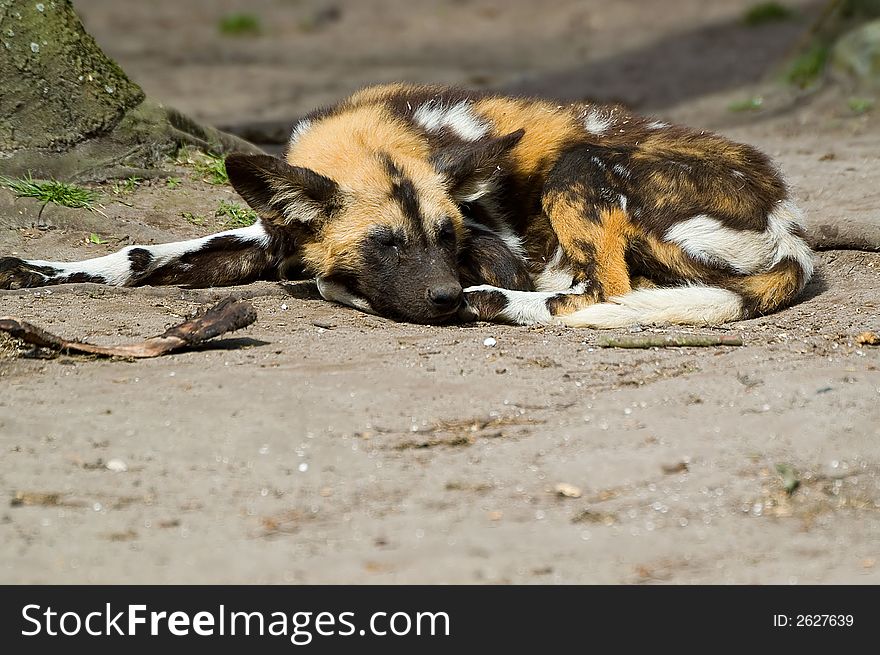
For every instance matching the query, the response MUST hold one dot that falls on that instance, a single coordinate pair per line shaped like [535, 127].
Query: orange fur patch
[346, 148]
[343, 146]
[548, 129]
[598, 245]
[671, 255]
[611, 242]
[774, 289]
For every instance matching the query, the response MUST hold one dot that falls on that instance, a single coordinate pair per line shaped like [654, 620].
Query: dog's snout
[445, 296]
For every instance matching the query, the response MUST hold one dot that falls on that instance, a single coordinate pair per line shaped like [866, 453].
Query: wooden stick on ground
[669, 340]
[227, 315]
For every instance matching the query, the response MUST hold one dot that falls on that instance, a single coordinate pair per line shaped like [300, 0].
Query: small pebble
[568, 490]
[117, 466]
[489, 342]
[676, 467]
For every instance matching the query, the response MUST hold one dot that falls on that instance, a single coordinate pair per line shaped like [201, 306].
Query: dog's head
[380, 225]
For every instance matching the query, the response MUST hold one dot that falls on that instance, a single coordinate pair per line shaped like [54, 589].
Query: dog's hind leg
[232, 257]
[589, 264]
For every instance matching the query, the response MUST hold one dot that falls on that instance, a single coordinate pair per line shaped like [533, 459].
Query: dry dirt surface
[321, 445]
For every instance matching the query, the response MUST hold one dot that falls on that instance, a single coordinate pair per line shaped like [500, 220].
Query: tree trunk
[68, 111]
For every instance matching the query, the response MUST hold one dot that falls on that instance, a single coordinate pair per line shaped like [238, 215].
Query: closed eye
[447, 233]
[386, 238]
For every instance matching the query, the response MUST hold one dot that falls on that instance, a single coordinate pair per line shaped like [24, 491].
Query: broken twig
[670, 341]
[227, 315]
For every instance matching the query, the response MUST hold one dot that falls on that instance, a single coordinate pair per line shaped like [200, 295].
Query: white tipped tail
[691, 305]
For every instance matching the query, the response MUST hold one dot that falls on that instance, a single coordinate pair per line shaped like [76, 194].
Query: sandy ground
[360, 450]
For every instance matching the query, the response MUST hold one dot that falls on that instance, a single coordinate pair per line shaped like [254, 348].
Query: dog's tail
[781, 264]
[684, 305]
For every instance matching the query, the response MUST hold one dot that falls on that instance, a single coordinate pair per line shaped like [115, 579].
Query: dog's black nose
[445, 296]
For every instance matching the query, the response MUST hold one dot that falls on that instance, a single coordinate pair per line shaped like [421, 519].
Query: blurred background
[253, 67]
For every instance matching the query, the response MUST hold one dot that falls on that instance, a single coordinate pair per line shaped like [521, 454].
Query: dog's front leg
[232, 257]
[488, 303]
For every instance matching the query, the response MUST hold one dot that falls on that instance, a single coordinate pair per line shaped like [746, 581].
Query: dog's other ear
[282, 193]
[470, 167]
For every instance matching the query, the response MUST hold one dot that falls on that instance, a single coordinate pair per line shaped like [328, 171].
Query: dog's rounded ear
[282, 193]
[470, 167]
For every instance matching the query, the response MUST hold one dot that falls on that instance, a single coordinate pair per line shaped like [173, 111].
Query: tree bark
[68, 111]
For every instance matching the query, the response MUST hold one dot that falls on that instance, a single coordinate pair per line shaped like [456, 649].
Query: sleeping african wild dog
[428, 203]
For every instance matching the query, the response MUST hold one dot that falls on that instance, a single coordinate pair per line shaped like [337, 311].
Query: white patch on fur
[657, 125]
[460, 118]
[706, 239]
[475, 190]
[523, 307]
[695, 305]
[781, 221]
[298, 130]
[623, 202]
[511, 240]
[294, 204]
[621, 170]
[596, 122]
[115, 268]
[554, 277]
[335, 292]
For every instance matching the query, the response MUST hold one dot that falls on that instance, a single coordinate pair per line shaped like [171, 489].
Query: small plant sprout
[240, 25]
[807, 68]
[53, 191]
[749, 104]
[789, 477]
[211, 168]
[860, 105]
[235, 215]
[126, 186]
[192, 219]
